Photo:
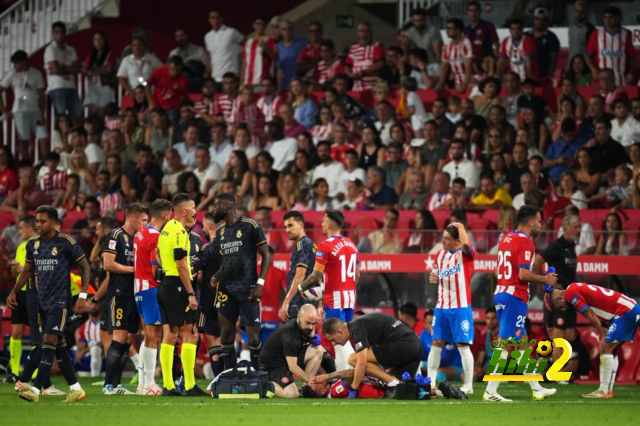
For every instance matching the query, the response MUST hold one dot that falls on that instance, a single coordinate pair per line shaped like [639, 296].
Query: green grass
[565, 408]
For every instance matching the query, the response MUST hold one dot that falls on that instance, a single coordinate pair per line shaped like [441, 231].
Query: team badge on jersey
[197, 248]
[36, 245]
[527, 255]
[112, 244]
[54, 251]
[238, 233]
[126, 239]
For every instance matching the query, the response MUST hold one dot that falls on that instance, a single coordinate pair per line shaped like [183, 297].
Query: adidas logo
[35, 252]
[157, 323]
[55, 328]
[257, 320]
[179, 289]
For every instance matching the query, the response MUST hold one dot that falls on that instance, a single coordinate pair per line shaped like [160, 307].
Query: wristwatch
[94, 300]
[191, 294]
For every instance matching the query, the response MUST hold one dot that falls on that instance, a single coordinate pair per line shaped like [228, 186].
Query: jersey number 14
[348, 270]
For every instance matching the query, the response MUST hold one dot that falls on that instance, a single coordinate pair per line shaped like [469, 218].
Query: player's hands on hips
[320, 379]
[193, 303]
[283, 313]
[551, 279]
[12, 300]
[80, 306]
[604, 346]
[256, 294]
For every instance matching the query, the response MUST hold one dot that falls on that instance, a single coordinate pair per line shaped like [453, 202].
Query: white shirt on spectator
[579, 200]
[385, 131]
[419, 116]
[94, 153]
[283, 151]
[346, 176]
[64, 55]
[627, 133]
[250, 150]
[224, 49]
[518, 201]
[137, 71]
[466, 170]
[586, 241]
[213, 172]
[188, 156]
[332, 174]
[25, 87]
[220, 155]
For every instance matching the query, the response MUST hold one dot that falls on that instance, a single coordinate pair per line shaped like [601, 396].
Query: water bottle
[419, 379]
[406, 376]
[548, 288]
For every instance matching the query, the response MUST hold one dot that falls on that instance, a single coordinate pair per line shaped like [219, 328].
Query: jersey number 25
[503, 260]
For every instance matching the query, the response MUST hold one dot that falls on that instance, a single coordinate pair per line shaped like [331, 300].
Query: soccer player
[381, 342]
[600, 304]
[146, 267]
[50, 256]
[516, 254]
[457, 57]
[176, 298]
[336, 260]
[239, 288]
[302, 258]
[293, 349]
[326, 385]
[124, 320]
[453, 319]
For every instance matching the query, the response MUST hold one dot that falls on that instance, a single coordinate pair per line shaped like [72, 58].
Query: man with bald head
[292, 349]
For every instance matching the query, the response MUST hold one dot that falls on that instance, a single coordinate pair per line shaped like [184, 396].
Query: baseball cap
[540, 12]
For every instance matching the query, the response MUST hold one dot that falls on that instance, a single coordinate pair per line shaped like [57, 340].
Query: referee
[177, 301]
[561, 254]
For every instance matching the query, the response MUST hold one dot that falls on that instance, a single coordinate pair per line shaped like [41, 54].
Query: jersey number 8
[503, 259]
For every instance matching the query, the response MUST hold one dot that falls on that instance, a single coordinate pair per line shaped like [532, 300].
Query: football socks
[15, 351]
[65, 364]
[229, 356]
[217, 365]
[189, 352]
[46, 362]
[255, 356]
[116, 351]
[166, 362]
[467, 364]
[433, 362]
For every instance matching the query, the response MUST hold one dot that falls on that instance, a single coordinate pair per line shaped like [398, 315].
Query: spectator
[490, 97]
[394, 67]
[425, 38]
[146, 178]
[266, 196]
[328, 169]
[494, 143]
[457, 57]
[258, 53]
[306, 144]
[99, 68]
[569, 90]
[567, 193]
[292, 127]
[435, 150]
[321, 199]
[311, 54]
[612, 242]
[395, 166]
[187, 149]
[339, 114]
[305, 110]
[353, 196]
[491, 197]
[265, 168]
[385, 240]
[624, 128]
[208, 172]
[242, 142]
[634, 159]
[635, 193]
[536, 128]
[481, 33]
[329, 65]
[273, 237]
[94, 153]
[579, 72]
[595, 111]
[473, 123]
[341, 86]
[498, 117]
[529, 99]
[588, 178]
[384, 111]
[79, 166]
[608, 152]
[445, 126]
[282, 148]
[340, 142]
[225, 101]
[289, 49]
[270, 101]
[420, 69]
[112, 117]
[70, 199]
[174, 169]
[9, 181]
[485, 66]
[586, 243]
[220, 147]
[580, 32]
[615, 53]
[186, 50]
[498, 170]
[635, 108]
[136, 68]
[370, 150]
[109, 200]
[118, 181]
[381, 196]
[222, 44]
[290, 190]
[440, 192]
[511, 98]
[160, 133]
[364, 59]
[619, 195]
[547, 43]
[566, 110]
[170, 88]
[414, 198]
[560, 154]
[425, 233]
[462, 167]
[352, 171]
[244, 111]
[29, 100]
[131, 128]
[323, 130]
[406, 44]
[237, 170]
[416, 162]
[61, 64]
[543, 182]
[609, 90]
[410, 106]
[302, 168]
[527, 183]
[141, 105]
[380, 93]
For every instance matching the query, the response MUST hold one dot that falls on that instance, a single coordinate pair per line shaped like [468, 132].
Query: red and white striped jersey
[456, 54]
[617, 93]
[90, 332]
[325, 72]
[454, 269]
[54, 182]
[362, 57]
[223, 105]
[436, 201]
[257, 63]
[252, 116]
[515, 250]
[271, 107]
[204, 106]
[612, 50]
[337, 258]
[321, 132]
[606, 304]
[516, 52]
[112, 201]
[144, 247]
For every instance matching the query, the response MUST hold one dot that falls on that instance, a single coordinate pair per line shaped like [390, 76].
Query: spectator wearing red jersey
[170, 87]
[8, 177]
[329, 65]
[340, 142]
[270, 101]
[519, 52]
[52, 177]
[609, 90]
[28, 195]
[245, 111]
[292, 127]
[258, 53]
[612, 47]
[109, 200]
[481, 33]
[224, 101]
[311, 55]
[457, 57]
[365, 59]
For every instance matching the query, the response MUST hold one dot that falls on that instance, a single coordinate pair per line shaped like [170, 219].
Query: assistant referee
[176, 299]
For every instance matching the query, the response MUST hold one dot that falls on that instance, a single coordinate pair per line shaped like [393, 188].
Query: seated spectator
[588, 178]
[560, 154]
[527, 183]
[440, 192]
[612, 242]
[137, 67]
[289, 191]
[8, 177]
[175, 169]
[494, 143]
[354, 195]
[340, 142]
[341, 85]
[329, 66]
[485, 66]
[84, 230]
[274, 237]
[498, 117]
[499, 172]
[281, 147]
[385, 240]
[579, 72]
[321, 199]
[569, 90]
[619, 195]
[490, 197]
[70, 199]
[186, 50]
[399, 134]
[109, 200]
[270, 101]
[93, 150]
[115, 144]
[635, 192]
[519, 166]
[384, 113]
[537, 129]
[265, 168]
[542, 180]
[306, 144]
[112, 117]
[415, 197]
[446, 128]
[416, 162]
[160, 133]
[490, 89]
[329, 169]
[511, 97]
[530, 100]
[461, 167]
[237, 171]
[266, 196]
[473, 123]
[566, 110]
[370, 150]
[410, 106]
[380, 196]
[595, 111]
[567, 193]
[305, 110]
[219, 147]
[419, 62]
[140, 105]
[323, 130]
[395, 166]
[394, 68]
[61, 138]
[244, 111]
[28, 195]
[506, 223]
[146, 179]
[208, 172]
[624, 128]
[292, 127]
[170, 87]
[186, 149]
[242, 142]
[434, 149]
[609, 153]
[339, 115]
[609, 90]
[634, 159]
[586, 243]
[457, 215]
[51, 177]
[303, 169]
[425, 233]
[187, 118]
[352, 171]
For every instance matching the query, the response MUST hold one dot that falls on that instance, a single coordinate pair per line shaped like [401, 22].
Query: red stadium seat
[591, 341]
[481, 230]
[633, 228]
[628, 358]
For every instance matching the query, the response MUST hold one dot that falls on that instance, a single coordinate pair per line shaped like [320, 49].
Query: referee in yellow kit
[177, 301]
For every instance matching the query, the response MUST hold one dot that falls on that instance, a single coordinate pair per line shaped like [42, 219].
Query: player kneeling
[600, 304]
[293, 349]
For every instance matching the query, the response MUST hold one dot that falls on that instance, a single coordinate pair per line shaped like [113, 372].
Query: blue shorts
[148, 308]
[441, 376]
[512, 313]
[453, 325]
[66, 101]
[623, 329]
[345, 315]
[266, 328]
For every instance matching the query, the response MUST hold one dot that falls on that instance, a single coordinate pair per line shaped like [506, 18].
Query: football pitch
[564, 408]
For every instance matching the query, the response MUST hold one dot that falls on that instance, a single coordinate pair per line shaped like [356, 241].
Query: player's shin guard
[492, 387]
[607, 372]
[229, 356]
[467, 364]
[327, 363]
[166, 362]
[96, 360]
[189, 352]
[255, 356]
[15, 353]
[65, 364]
[123, 363]
[433, 363]
[114, 356]
[149, 361]
[46, 362]
[217, 364]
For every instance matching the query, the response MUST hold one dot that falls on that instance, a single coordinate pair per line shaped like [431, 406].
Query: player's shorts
[295, 305]
[173, 301]
[147, 305]
[35, 325]
[281, 375]
[560, 319]
[232, 304]
[402, 355]
[123, 314]
[54, 318]
[104, 319]
[266, 328]
[453, 325]
[20, 314]
[208, 314]
[622, 329]
[512, 313]
[457, 371]
[345, 315]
